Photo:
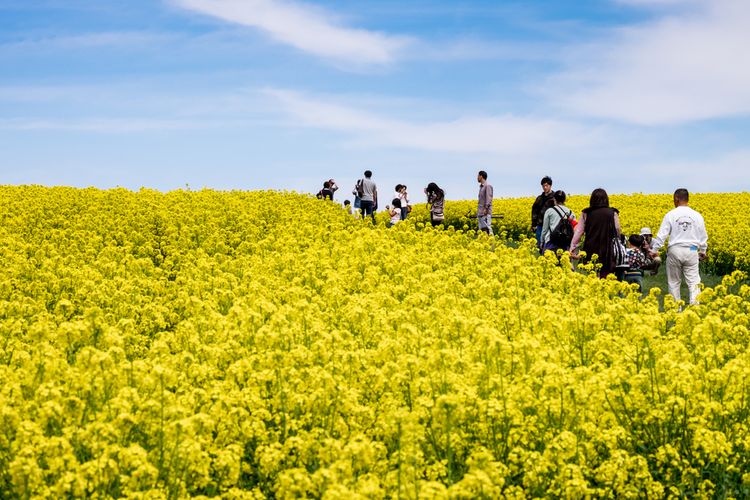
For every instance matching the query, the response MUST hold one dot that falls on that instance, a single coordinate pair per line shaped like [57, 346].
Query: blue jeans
[404, 213]
[367, 209]
[635, 278]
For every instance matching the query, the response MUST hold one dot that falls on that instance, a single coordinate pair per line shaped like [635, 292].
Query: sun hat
[645, 230]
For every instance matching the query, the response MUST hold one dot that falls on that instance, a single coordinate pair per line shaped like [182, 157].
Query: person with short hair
[554, 216]
[636, 260]
[332, 186]
[394, 212]
[436, 200]
[326, 193]
[402, 195]
[652, 263]
[369, 199]
[484, 205]
[543, 202]
[688, 244]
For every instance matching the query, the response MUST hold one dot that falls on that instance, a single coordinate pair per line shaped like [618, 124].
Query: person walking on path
[552, 217]
[484, 206]
[599, 225]
[436, 200]
[539, 208]
[688, 243]
[368, 191]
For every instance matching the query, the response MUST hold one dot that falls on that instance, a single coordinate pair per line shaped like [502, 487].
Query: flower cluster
[727, 217]
[267, 344]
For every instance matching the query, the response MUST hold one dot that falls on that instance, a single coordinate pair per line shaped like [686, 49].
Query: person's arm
[658, 241]
[334, 187]
[488, 199]
[618, 230]
[534, 210]
[578, 233]
[702, 238]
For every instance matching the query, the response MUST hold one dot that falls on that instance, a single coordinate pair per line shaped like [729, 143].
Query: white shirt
[404, 197]
[684, 227]
[396, 217]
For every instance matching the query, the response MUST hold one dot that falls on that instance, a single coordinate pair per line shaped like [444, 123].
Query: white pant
[683, 261]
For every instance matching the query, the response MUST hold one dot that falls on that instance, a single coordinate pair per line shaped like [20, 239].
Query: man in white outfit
[686, 231]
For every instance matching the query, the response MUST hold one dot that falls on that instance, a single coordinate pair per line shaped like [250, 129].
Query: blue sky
[629, 95]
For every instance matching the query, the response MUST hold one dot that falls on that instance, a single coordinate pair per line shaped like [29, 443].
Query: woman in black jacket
[598, 225]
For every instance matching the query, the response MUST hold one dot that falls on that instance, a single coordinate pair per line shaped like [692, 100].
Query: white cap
[645, 230]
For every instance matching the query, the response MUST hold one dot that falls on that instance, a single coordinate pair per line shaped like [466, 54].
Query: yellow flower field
[727, 218]
[266, 344]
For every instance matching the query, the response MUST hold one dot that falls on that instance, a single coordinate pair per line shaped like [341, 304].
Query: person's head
[599, 198]
[399, 187]
[347, 202]
[433, 188]
[396, 203]
[646, 233]
[368, 174]
[559, 197]
[481, 176]
[546, 184]
[636, 240]
[327, 185]
[681, 197]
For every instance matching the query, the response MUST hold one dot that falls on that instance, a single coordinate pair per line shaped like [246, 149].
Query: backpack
[359, 188]
[562, 235]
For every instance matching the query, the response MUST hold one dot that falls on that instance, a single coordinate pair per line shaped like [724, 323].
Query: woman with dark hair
[436, 200]
[554, 216]
[598, 225]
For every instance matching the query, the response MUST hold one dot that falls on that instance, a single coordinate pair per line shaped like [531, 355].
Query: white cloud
[685, 67]
[309, 29]
[723, 172]
[506, 134]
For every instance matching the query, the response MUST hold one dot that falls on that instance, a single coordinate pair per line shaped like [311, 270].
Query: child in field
[636, 261]
[394, 212]
[351, 210]
[652, 263]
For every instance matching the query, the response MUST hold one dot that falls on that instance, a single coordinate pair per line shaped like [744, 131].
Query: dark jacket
[325, 194]
[541, 204]
[598, 233]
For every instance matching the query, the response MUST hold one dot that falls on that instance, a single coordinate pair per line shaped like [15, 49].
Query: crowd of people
[556, 227]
